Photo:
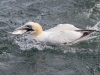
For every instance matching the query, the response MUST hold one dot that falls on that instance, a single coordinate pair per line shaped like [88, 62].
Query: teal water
[80, 59]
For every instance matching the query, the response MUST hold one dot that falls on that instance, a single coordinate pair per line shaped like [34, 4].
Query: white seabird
[61, 34]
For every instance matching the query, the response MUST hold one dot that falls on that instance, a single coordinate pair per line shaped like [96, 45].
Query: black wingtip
[86, 32]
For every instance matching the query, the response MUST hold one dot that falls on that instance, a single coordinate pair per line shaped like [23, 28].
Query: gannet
[60, 34]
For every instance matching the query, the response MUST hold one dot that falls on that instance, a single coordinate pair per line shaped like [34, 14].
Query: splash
[95, 27]
[27, 43]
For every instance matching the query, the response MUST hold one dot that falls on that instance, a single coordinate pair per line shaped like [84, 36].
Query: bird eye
[29, 28]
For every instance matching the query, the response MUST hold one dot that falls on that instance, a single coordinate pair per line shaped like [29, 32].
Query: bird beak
[22, 30]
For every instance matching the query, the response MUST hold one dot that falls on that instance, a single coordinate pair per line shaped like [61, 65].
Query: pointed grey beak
[22, 29]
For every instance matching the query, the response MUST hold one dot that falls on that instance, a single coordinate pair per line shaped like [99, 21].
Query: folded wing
[64, 36]
[69, 36]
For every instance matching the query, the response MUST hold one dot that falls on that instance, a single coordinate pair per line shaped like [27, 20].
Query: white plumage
[61, 34]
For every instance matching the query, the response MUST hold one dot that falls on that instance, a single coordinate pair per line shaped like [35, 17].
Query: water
[79, 59]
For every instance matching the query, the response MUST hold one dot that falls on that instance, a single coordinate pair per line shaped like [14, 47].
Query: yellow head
[34, 28]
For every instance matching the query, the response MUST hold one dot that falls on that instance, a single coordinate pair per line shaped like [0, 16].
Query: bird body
[60, 34]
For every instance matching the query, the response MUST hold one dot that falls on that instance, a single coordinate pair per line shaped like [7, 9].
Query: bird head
[30, 27]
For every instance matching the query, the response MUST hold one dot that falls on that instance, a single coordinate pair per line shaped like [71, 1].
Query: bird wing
[62, 27]
[70, 36]
[65, 36]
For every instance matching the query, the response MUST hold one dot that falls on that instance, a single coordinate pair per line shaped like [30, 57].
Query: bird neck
[37, 32]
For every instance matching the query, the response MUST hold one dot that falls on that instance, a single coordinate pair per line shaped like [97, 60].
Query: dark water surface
[80, 59]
